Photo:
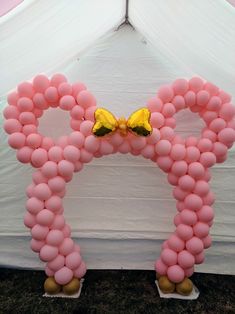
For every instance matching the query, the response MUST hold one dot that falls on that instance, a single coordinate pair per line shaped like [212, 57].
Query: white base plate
[193, 296]
[62, 295]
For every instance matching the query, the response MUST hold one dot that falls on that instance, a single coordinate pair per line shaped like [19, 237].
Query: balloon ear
[27, 104]
[211, 104]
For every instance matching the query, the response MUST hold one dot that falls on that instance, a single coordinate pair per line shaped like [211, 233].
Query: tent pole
[126, 19]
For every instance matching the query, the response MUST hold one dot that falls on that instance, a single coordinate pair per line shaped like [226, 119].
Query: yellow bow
[106, 123]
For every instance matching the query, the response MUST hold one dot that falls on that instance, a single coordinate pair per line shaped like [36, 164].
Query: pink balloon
[124, 148]
[165, 163]
[85, 156]
[57, 263]
[190, 98]
[209, 134]
[214, 103]
[217, 125]
[39, 232]
[175, 273]
[204, 145]
[167, 133]
[65, 168]
[205, 214]
[12, 126]
[36, 245]
[77, 88]
[226, 136]
[207, 242]
[116, 139]
[177, 220]
[39, 157]
[12, 98]
[201, 230]
[16, 140]
[64, 89]
[193, 202]
[201, 188]
[47, 143]
[73, 260]
[45, 217]
[55, 153]
[25, 89]
[160, 267]
[49, 272]
[30, 190]
[78, 166]
[55, 237]
[209, 199]
[86, 127]
[66, 246]
[208, 159]
[209, 116]
[219, 149]
[163, 147]
[148, 151]
[166, 93]
[49, 169]
[80, 271]
[188, 217]
[41, 83]
[51, 94]
[25, 104]
[196, 170]
[157, 120]
[211, 88]
[105, 147]
[57, 79]
[179, 168]
[179, 102]
[77, 112]
[179, 194]
[196, 84]
[34, 205]
[11, 112]
[34, 140]
[178, 152]
[169, 257]
[185, 232]
[63, 276]
[171, 122]
[172, 179]
[77, 139]
[86, 99]
[91, 143]
[227, 112]
[58, 223]
[71, 153]
[186, 183]
[27, 118]
[189, 271]
[202, 97]
[40, 101]
[168, 110]
[154, 104]
[180, 86]
[175, 243]
[90, 113]
[199, 258]
[194, 245]
[192, 154]
[42, 191]
[67, 102]
[29, 220]
[186, 259]
[138, 142]
[48, 253]
[56, 184]
[66, 231]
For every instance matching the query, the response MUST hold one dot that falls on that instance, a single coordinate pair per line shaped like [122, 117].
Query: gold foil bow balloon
[138, 123]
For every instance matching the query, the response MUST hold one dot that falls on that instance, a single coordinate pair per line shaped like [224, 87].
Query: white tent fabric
[120, 207]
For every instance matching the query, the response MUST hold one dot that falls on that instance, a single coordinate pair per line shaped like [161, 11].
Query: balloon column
[149, 132]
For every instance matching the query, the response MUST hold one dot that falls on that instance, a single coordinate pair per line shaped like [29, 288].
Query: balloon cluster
[186, 161]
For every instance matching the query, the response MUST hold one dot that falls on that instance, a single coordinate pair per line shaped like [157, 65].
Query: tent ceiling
[42, 36]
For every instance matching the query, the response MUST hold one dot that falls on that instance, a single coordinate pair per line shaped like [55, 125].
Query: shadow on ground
[111, 291]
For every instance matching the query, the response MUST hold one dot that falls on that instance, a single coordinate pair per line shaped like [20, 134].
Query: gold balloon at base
[185, 287]
[72, 287]
[166, 285]
[51, 286]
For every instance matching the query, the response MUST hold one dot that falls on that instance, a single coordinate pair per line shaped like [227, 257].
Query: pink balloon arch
[187, 163]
